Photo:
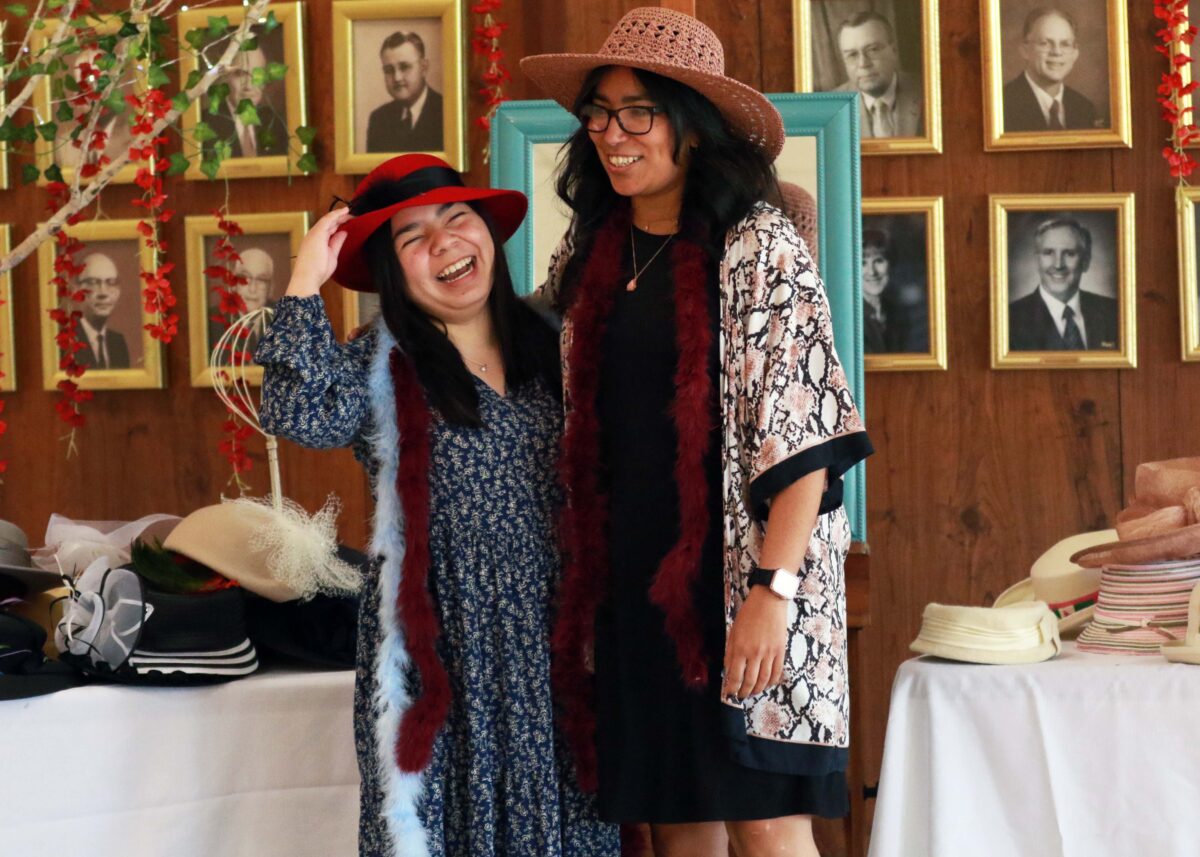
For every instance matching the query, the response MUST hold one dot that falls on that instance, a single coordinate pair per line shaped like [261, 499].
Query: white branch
[48, 54]
[81, 198]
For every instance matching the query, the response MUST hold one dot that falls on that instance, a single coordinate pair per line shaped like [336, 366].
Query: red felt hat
[422, 180]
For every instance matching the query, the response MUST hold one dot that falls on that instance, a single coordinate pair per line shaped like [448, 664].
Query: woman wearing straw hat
[708, 425]
[452, 402]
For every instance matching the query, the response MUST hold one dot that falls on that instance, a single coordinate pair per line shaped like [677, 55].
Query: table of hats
[1085, 754]
[260, 767]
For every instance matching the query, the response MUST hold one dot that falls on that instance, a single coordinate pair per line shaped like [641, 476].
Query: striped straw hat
[1140, 607]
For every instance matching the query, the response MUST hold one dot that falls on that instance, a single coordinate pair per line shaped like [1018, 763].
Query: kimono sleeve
[547, 293]
[314, 389]
[799, 412]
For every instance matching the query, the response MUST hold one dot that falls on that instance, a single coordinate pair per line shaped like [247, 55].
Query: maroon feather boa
[585, 517]
[415, 613]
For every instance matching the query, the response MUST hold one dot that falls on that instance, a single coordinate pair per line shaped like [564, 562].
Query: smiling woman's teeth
[622, 160]
[458, 270]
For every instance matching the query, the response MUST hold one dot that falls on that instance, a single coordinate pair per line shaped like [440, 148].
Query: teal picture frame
[824, 122]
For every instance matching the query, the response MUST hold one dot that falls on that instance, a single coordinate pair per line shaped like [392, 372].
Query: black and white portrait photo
[110, 325]
[113, 132]
[398, 84]
[1056, 74]
[264, 268]
[895, 284]
[252, 120]
[248, 84]
[1187, 202]
[873, 48]
[1055, 66]
[111, 340]
[398, 74]
[1063, 281]
[265, 248]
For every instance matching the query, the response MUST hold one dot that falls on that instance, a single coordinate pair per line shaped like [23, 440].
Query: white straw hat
[1069, 590]
[1019, 634]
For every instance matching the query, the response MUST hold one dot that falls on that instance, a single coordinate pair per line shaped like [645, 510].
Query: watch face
[785, 584]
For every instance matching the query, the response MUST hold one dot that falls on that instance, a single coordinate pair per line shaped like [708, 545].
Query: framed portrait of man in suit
[262, 269]
[8, 365]
[398, 81]
[1056, 74]
[886, 52]
[903, 284]
[359, 309]
[254, 125]
[1063, 281]
[1186, 200]
[110, 339]
[69, 150]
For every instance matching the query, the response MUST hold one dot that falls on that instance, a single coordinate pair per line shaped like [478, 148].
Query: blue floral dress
[499, 782]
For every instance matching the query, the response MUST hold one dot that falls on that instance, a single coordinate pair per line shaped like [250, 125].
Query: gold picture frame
[930, 209]
[290, 51]
[1186, 200]
[353, 304]
[279, 241]
[441, 18]
[1186, 70]
[1023, 102]
[8, 341]
[43, 151]
[144, 373]
[1085, 211]
[928, 139]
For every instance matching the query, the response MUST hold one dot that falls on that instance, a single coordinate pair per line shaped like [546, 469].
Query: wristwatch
[782, 583]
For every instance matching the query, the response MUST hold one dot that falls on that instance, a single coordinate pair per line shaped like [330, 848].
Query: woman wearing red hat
[708, 427]
[452, 401]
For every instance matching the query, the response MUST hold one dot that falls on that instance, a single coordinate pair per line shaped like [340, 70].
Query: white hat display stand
[301, 549]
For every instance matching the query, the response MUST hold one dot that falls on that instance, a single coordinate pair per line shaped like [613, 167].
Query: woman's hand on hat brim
[318, 256]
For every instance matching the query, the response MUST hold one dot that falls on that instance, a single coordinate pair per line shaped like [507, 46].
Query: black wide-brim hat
[422, 180]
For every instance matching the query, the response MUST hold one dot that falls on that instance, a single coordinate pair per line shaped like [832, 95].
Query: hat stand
[301, 548]
[232, 384]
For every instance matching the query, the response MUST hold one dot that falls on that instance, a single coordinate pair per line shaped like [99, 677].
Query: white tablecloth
[1081, 756]
[260, 767]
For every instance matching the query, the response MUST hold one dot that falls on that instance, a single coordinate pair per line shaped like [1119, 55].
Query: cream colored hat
[1069, 590]
[1187, 650]
[1019, 634]
[220, 537]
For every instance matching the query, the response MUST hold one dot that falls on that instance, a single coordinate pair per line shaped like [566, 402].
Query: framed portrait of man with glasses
[1057, 74]
[253, 126]
[109, 338]
[261, 272]
[398, 81]
[885, 51]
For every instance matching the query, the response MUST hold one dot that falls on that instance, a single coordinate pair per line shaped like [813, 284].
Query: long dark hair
[726, 175]
[527, 343]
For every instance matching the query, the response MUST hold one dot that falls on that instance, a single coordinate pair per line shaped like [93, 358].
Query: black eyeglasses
[638, 119]
[335, 201]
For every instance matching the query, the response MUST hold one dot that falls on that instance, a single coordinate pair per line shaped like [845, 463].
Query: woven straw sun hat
[1068, 589]
[673, 45]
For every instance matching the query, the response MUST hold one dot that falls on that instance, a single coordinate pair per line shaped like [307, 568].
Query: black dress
[663, 756]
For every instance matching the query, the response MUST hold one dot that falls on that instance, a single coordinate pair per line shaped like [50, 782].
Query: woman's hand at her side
[317, 259]
[757, 644]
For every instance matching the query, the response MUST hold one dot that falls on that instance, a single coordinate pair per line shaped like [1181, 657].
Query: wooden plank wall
[977, 472]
